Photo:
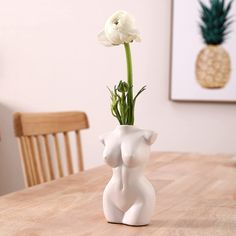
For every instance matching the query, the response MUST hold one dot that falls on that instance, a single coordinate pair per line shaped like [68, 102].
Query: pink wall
[50, 60]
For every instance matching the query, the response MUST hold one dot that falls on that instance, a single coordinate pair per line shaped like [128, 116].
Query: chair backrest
[41, 139]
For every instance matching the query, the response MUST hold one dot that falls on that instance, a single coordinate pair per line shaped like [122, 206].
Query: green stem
[129, 64]
[130, 83]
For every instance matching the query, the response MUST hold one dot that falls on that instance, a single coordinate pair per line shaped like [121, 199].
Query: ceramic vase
[129, 198]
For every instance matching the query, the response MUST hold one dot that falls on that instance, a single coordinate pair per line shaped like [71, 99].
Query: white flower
[119, 29]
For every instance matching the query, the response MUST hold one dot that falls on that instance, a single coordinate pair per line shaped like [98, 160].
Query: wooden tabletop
[196, 196]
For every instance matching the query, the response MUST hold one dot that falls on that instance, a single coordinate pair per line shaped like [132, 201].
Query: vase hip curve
[129, 198]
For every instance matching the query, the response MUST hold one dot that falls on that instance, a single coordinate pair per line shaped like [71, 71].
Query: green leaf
[215, 21]
[139, 92]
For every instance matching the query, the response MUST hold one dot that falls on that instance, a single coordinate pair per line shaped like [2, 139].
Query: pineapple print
[213, 66]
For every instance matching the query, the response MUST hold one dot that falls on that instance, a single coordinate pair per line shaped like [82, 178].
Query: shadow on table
[11, 178]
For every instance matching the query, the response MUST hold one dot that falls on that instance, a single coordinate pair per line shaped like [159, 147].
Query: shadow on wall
[11, 177]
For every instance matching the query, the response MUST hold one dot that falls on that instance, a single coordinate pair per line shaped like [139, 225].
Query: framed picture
[203, 66]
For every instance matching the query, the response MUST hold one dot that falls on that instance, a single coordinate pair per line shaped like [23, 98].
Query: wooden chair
[34, 131]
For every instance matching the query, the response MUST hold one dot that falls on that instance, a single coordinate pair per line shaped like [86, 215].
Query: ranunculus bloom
[119, 29]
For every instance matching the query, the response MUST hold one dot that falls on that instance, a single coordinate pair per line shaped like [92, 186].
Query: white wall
[50, 60]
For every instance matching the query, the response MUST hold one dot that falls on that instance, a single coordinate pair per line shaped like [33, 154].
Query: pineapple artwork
[213, 64]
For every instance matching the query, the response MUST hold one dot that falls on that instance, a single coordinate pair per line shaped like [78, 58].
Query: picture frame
[187, 43]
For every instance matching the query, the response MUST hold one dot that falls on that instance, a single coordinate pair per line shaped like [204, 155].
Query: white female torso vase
[129, 198]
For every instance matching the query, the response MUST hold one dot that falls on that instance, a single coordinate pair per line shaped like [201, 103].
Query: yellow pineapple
[213, 66]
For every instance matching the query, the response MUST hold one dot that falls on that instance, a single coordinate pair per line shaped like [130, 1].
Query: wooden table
[196, 196]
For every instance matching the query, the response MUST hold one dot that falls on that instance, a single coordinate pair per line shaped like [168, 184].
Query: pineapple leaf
[228, 7]
[215, 21]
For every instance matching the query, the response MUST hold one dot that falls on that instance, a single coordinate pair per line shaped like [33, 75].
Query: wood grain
[68, 153]
[196, 196]
[42, 171]
[79, 151]
[50, 172]
[37, 158]
[58, 155]
[48, 123]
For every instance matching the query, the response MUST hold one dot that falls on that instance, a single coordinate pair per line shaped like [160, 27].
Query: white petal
[138, 39]
[119, 28]
[103, 39]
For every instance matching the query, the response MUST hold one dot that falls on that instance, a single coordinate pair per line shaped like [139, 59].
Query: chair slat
[27, 161]
[43, 160]
[32, 159]
[24, 162]
[40, 159]
[35, 160]
[58, 155]
[48, 158]
[68, 153]
[79, 151]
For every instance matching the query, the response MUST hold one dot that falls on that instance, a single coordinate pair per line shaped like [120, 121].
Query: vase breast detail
[129, 198]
